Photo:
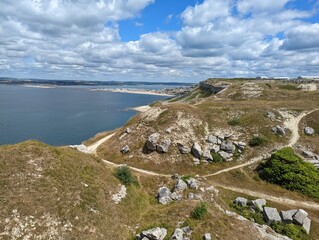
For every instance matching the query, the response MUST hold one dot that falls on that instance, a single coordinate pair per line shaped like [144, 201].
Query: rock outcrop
[151, 142]
[152, 234]
[164, 195]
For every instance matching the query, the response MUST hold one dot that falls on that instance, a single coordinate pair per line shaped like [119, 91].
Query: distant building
[262, 77]
[282, 78]
[309, 77]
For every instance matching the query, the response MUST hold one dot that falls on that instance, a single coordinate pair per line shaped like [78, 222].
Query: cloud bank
[77, 39]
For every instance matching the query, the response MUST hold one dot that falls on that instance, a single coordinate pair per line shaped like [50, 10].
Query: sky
[158, 40]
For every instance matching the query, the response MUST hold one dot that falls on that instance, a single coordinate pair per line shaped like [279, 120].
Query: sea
[65, 115]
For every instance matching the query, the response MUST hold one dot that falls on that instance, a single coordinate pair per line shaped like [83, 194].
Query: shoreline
[133, 91]
[142, 108]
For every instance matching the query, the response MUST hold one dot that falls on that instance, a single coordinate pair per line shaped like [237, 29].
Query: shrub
[257, 141]
[234, 121]
[125, 175]
[289, 87]
[200, 211]
[247, 213]
[217, 157]
[290, 230]
[288, 170]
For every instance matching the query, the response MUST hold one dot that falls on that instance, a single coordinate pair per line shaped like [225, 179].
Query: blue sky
[158, 40]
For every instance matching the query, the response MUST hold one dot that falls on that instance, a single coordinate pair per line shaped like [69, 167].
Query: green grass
[291, 230]
[289, 87]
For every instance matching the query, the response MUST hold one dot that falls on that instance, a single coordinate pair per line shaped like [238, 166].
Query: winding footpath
[291, 122]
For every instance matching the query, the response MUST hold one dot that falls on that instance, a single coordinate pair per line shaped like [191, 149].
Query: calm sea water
[63, 115]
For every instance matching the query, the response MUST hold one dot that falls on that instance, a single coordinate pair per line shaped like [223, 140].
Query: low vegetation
[234, 121]
[124, 174]
[200, 211]
[257, 141]
[288, 170]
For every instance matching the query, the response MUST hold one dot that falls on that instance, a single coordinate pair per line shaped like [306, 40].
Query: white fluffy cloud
[77, 39]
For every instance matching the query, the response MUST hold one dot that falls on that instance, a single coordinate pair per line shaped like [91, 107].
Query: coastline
[132, 91]
[141, 108]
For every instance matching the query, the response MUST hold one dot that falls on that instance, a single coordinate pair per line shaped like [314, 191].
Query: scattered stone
[224, 155]
[241, 201]
[213, 190]
[128, 130]
[259, 204]
[163, 195]
[308, 154]
[176, 196]
[196, 161]
[299, 217]
[178, 234]
[307, 225]
[164, 146]
[183, 149]
[196, 150]
[180, 185]
[207, 236]
[187, 230]
[286, 216]
[271, 115]
[175, 176]
[125, 149]
[192, 183]
[215, 148]
[280, 130]
[152, 141]
[207, 156]
[152, 234]
[228, 146]
[117, 198]
[194, 196]
[271, 215]
[309, 131]
[241, 145]
[169, 130]
[212, 139]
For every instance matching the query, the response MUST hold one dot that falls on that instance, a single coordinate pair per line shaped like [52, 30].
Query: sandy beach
[141, 108]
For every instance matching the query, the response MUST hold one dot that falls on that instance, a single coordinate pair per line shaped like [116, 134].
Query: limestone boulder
[164, 195]
[309, 131]
[228, 146]
[164, 146]
[152, 234]
[240, 201]
[271, 215]
[207, 155]
[192, 183]
[211, 139]
[125, 149]
[180, 185]
[299, 217]
[178, 234]
[152, 140]
[196, 150]
[183, 149]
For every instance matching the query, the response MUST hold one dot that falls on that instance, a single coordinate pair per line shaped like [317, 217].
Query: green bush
[217, 157]
[200, 211]
[247, 213]
[257, 141]
[290, 230]
[234, 121]
[288, 170]
[125, 175]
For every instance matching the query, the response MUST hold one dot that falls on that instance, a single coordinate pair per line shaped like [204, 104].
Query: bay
[63, 115]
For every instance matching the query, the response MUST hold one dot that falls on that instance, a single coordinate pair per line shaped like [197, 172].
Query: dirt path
[92, 148]
[292, 123]
[282, 200]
